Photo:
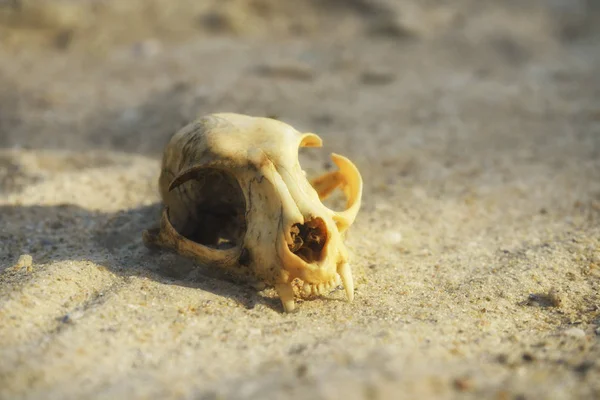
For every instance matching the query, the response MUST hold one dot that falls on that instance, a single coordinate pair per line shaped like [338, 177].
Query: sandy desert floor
[476, 128]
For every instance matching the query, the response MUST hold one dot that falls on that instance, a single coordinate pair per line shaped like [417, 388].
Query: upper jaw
[310, 252]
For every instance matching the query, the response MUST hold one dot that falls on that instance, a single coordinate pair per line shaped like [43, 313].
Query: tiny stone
[65, 319]
[297, 348]
[56, 225]
[63, 39]
[549, 299]
[574, 332]
[147, 48]
[463, 384]
[287, 70]
[393, 238]
[527, 357]
[302, 370]
[24, 261]
[217, 22]
[584, 367]
[375, 77]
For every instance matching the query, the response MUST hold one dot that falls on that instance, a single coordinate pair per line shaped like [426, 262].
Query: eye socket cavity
[210, 208]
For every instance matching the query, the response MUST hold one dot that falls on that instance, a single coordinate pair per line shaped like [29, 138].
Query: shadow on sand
[69, 232]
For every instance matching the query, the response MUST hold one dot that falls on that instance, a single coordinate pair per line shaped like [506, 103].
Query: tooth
[338, 281]
[307, 289]
[321, 288]
[286, 295]
[346, 275]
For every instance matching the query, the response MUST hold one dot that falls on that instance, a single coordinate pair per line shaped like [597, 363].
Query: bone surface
[236, 197]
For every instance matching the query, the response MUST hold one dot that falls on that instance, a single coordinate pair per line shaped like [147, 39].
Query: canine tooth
[286, 295]
[346, 275]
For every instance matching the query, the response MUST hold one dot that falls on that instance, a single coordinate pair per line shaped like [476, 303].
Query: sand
[476, 127]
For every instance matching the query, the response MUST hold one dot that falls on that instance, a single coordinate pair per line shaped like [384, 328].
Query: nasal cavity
[309, 240]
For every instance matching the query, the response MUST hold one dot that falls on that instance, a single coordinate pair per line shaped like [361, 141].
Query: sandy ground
[476, 128]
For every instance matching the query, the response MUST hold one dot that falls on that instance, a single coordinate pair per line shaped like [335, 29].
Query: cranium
[235, 196]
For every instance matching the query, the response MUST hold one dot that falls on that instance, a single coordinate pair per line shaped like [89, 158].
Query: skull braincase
[235, 196]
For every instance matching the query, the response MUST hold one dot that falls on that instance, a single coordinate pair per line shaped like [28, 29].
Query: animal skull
[236, 197]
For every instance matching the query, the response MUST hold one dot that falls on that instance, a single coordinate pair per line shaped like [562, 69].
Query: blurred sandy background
[476, 126]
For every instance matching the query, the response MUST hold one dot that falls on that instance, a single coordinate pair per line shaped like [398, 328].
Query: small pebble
[528, 357]
[574, 332]
[254, 332]
[549, 299]
[24, 261]
[287, 70]
[393, 237]
[218, 22]
[463, 384]
[375, 77]
[147, 48]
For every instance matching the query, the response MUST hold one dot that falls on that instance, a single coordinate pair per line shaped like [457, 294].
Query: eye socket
[209, 208]
[309, 240]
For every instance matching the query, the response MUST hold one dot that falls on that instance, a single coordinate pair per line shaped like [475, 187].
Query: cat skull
[235, 196]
